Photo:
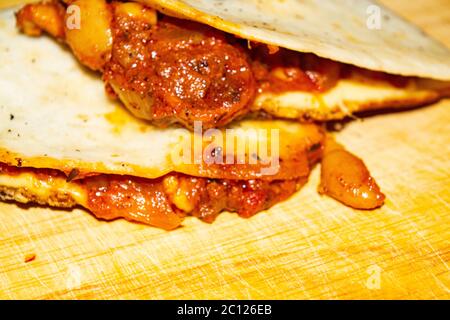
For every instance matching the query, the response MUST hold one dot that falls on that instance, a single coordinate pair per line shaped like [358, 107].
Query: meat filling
[178, 71]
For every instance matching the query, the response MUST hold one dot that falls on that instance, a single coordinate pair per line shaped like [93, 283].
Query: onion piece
[346, 178]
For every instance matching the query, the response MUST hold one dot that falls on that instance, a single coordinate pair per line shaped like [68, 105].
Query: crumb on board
[30, 257]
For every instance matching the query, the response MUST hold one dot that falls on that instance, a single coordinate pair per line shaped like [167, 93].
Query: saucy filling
[165, 201]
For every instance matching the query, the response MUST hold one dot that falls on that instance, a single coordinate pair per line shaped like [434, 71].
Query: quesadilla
[215, 61]
[239, 67]
[64, 143]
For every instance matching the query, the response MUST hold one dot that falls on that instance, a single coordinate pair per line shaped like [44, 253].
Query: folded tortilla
[343, 31]
[358, 33]
[55, 115]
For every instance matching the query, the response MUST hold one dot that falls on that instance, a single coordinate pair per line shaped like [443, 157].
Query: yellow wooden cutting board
[308, 247]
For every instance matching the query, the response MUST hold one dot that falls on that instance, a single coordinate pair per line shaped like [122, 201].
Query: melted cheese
[347, 97]
[29, 187]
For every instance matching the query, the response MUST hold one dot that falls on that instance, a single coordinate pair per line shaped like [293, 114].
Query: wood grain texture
[308, 247]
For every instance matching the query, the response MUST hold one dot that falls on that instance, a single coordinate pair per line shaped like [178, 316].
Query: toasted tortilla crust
[55, 198]
[358, 32]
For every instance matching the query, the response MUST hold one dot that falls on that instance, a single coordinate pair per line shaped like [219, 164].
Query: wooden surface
[308, 247]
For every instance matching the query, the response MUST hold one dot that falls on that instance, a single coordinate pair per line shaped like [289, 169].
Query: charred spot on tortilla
[72, 175]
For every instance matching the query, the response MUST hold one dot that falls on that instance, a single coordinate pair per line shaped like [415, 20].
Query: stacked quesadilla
[161, 109]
